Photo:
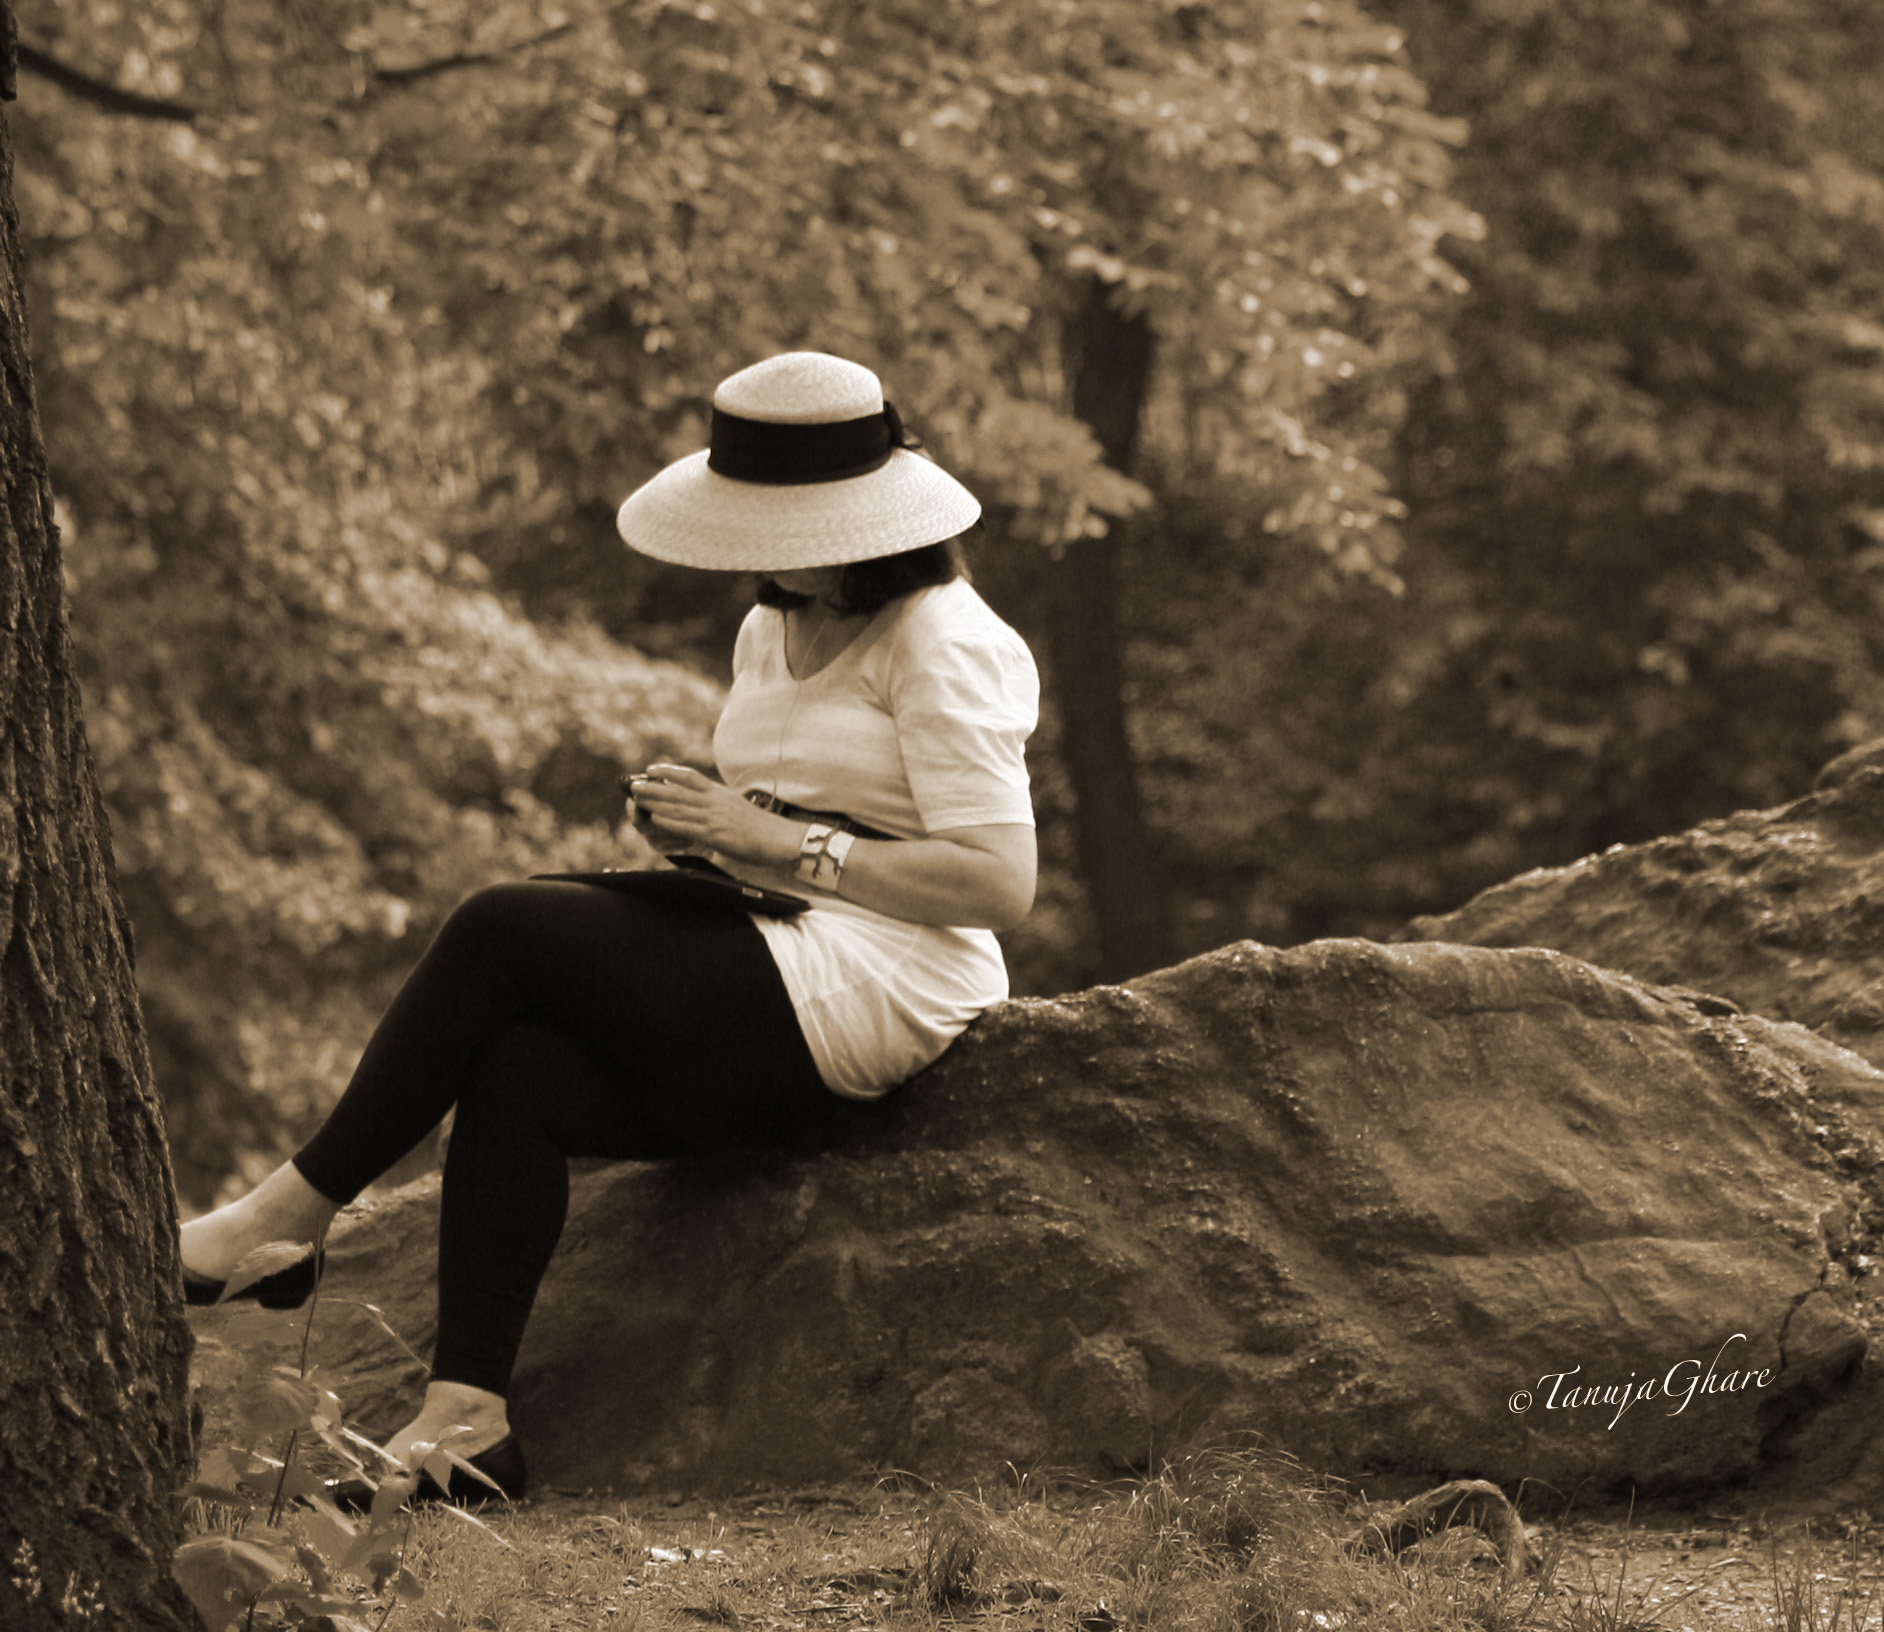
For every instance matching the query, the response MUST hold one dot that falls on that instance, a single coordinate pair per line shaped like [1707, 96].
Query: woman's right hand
[700, 811]
[662, 841]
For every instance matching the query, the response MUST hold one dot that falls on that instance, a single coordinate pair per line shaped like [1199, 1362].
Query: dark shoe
[285, 1289]
[503, 1462]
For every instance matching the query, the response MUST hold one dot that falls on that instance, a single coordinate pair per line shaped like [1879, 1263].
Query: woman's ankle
[465, 1403]
[283, 1207]
[450, 1406]
[289, 1205]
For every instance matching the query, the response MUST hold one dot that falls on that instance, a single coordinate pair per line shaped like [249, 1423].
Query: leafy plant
[275, 1549]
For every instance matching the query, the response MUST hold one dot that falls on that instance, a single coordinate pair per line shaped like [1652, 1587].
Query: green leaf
[221, 1574]
[273, 1404]
[325, 1528]
[263, 1261]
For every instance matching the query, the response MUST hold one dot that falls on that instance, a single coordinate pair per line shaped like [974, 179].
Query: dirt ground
[1699, 1570]
[1719, 1568]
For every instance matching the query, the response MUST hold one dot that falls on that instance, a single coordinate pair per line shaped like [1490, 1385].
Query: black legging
[564, 1020]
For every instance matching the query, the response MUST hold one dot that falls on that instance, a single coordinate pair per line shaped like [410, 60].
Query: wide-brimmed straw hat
[809, 467]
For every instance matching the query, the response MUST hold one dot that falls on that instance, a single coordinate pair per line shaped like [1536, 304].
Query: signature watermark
[1564, 1391]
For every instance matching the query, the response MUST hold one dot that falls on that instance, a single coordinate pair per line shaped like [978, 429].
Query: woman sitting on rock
[871, 756]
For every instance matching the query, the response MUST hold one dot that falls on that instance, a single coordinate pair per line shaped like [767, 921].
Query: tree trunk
[1109, 358]
[94, 1350]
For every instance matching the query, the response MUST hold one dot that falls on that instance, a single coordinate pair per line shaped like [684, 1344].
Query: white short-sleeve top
[916, 727]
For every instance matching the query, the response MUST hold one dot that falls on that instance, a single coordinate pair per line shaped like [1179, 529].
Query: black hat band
[761, 450]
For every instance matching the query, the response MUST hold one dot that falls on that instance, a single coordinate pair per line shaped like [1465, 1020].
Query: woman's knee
[494, 922]
[494, 909]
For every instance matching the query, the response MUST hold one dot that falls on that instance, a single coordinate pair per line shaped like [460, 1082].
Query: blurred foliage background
[1422, 442]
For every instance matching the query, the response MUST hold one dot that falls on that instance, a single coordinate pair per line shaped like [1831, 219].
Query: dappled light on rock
[1781, 911]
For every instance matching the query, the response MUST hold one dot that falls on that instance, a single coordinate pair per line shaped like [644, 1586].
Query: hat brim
[695, 517]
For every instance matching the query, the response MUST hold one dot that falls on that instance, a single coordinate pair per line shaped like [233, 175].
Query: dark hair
[869, 586]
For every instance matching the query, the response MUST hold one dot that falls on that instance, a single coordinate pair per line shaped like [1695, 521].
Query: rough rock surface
[1780, 910]
[1352, 1197]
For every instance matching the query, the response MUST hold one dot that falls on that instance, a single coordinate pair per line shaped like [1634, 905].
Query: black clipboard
[692, 881]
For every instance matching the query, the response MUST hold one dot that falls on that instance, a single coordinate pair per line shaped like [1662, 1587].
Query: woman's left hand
[710, 816]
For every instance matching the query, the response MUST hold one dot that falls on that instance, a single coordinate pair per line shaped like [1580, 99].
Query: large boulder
[1780, 910]
[1407, 1212]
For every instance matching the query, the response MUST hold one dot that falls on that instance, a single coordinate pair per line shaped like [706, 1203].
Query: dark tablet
[691, 881]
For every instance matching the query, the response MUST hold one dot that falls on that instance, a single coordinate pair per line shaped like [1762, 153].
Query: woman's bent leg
[736, 1074]
[564, 1019]
[634, 981]
[470, 984]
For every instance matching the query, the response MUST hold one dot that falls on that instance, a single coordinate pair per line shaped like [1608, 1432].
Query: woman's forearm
[971, 877]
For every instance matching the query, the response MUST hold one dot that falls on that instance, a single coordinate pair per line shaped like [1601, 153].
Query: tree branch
[426, 70]
[114, 99]
[101, 93]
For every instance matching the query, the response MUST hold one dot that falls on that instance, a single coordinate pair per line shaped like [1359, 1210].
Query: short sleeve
[964, 708]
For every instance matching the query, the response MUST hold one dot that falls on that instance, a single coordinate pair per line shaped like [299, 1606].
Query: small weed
[80, 1604]
[1807, 1598]
[718, 1610]
[26, 1579]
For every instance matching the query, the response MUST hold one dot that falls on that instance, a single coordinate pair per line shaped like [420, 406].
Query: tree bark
[94, 1349]
[1108, 357]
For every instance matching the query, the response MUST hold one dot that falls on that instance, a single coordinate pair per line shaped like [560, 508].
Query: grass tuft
[945, 1576]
